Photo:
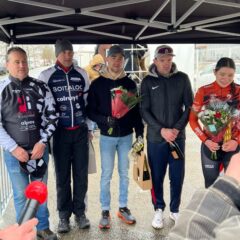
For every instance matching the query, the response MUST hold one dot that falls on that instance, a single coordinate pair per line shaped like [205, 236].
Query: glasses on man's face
[165, 50]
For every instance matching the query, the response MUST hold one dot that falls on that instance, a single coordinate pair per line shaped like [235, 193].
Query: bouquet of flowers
[122, 101]
[216, 116]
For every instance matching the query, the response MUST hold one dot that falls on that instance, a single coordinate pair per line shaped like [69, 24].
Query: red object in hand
[118, 92]
[217, 115]
[119, 108]
[36, 190]
[36, 194]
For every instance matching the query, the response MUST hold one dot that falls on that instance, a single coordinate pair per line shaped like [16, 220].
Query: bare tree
[48, 55]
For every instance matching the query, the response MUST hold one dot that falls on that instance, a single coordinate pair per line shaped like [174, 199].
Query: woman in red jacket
[218, 143]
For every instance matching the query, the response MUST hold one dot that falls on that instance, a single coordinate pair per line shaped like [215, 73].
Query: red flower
[118, 91]
[217, 115]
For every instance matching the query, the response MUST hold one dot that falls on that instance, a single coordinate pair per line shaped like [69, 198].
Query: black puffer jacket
[166, 102]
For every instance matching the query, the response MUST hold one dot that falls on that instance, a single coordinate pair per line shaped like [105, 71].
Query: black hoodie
[99, 106]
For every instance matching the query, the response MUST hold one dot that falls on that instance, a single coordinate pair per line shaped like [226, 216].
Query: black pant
[70, 151]
[211, 167]
[159, 157]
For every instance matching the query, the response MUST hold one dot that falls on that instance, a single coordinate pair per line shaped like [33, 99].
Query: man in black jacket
[167, 98]
[116, 134]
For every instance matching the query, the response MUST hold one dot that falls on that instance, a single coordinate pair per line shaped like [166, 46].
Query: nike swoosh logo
[154, 87]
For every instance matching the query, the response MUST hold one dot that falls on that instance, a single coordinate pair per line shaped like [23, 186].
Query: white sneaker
[157, 221]
[174, 216]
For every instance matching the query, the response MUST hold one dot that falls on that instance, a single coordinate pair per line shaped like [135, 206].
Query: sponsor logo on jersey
[75, 79]
[78, 114]
[63, 99]
[67, 88]
[77, 106]
[27, 123]
[58, 80]
[63, 108]
[16, 90]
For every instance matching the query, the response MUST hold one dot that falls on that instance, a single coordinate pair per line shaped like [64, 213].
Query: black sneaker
[63, 225]
[46, 234]
[126, 216]
[105, 220]
[82, 221]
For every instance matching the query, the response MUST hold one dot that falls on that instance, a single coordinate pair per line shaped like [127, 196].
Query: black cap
[115, 49]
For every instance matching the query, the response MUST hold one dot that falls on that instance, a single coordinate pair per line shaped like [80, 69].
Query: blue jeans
[108, 148]
[20, 180]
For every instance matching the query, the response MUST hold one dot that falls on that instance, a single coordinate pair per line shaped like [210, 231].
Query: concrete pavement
[139, 202]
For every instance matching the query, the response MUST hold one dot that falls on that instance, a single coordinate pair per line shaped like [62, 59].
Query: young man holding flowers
[217, 106]
[109, 105]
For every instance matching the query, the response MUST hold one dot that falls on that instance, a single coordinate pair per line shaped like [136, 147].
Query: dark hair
[227, 62]
[15, 49]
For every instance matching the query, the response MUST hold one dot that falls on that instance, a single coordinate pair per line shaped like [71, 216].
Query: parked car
[206, 75]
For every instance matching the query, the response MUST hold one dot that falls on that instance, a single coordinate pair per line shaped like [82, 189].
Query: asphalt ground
[139, 202]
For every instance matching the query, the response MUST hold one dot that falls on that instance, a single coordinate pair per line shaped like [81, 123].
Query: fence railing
[5, 185]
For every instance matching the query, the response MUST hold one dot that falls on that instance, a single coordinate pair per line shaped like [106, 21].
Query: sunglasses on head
[165, 50]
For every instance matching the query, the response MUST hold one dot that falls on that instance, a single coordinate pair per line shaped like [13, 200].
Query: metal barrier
[5, 186]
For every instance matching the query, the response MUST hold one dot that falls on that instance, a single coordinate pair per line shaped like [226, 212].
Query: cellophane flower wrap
[216, 117]
[122, 101]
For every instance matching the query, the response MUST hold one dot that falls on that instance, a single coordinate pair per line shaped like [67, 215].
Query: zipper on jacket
[70, 100]
[117, 128]
[166, 96]
[23, 98]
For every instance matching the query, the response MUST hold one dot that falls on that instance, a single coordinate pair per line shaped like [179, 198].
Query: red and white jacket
[230, 94]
